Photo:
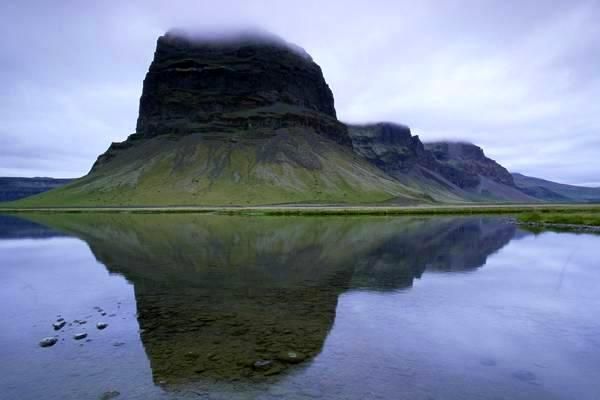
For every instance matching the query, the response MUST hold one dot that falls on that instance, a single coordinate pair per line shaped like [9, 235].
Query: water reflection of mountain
[216, 294]
[12, 227]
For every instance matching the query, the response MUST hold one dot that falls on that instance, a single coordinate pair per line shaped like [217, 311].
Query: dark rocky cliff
[445, 170]
[249, 80]
[466, 163]
[389, 146]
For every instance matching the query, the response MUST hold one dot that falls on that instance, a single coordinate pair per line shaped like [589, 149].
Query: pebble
[59, 325]
[79, 336]
[101, 325]
[48, 341]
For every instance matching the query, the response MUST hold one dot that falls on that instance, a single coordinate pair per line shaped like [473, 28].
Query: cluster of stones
[61, 323]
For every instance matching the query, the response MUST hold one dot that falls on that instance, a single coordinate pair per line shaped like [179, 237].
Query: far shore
[324, 210]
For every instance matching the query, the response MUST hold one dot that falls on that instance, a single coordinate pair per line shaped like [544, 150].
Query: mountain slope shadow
[236, 298]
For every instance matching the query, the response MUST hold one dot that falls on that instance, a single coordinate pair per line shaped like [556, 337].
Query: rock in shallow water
[101, 325]
[110, 395]
[49, 341]
[79, 336]
[58, 325]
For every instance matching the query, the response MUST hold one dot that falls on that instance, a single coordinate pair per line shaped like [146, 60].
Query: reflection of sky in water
[41, 278]
[524, 326]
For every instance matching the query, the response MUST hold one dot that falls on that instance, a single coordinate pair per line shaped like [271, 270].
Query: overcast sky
[519, 78]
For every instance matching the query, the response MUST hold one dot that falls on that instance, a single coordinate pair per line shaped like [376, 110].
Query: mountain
[248, 119]
[241, 119]
[467, 166]
[18, 188]
[555, 192]
[447, 171]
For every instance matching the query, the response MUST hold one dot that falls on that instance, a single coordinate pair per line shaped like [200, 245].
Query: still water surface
[223, 307]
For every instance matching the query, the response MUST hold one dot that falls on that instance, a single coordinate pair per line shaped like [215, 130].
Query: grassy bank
[324, 210]
[588, 218]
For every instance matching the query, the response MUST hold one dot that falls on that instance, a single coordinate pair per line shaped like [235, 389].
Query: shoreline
[319, 210]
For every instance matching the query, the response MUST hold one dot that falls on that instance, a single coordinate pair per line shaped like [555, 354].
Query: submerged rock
[524, 375]
[110, 395]
[79, 336]
[291, 357]
[262, 365]
[48, 341]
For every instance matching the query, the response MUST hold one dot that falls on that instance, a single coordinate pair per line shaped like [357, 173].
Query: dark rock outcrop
[247, 81]
[446, 171]
[389, 146]
[464, 164]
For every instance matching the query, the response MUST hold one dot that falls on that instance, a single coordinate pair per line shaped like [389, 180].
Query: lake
[231, 307]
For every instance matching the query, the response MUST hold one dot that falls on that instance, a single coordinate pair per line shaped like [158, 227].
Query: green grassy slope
[294, 166]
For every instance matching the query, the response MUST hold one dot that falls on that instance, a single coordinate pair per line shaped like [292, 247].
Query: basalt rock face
[466, 163]
[248, 81]
[393, 149]
[445, 171]
[389, 146]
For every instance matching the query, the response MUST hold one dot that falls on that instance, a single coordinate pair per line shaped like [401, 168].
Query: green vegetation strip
[590, 218]
[577, 212]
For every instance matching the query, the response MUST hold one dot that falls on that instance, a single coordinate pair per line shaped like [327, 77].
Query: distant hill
[467, 166]
[555, 192]
[18, 188]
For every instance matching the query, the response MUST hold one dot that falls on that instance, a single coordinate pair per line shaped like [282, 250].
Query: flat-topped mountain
[246, 81]
[247, 119]
[242, 119]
